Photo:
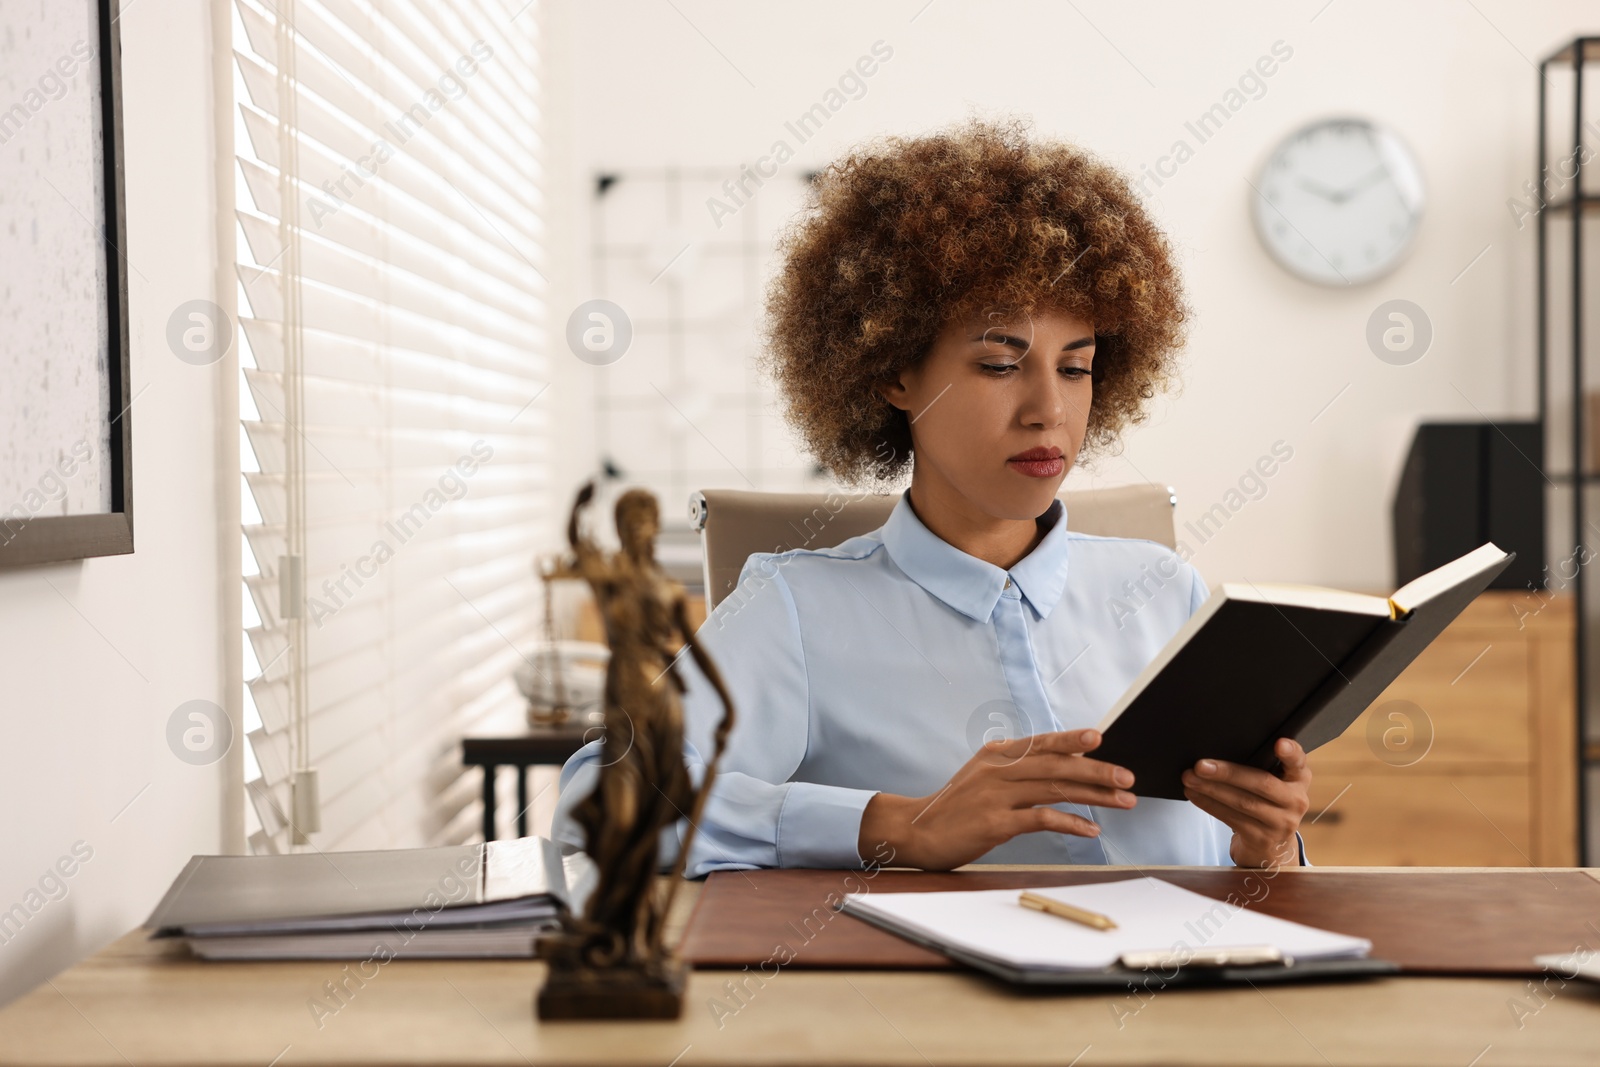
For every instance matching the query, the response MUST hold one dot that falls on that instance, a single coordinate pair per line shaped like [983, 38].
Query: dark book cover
[1234, 682]
[1247, 670]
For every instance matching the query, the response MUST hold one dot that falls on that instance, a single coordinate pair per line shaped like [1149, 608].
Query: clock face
[1339, 201]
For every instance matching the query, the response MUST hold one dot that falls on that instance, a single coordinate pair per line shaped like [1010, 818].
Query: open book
[1263, 661]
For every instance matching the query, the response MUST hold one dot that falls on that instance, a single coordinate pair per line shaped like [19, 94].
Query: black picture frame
[58, 538]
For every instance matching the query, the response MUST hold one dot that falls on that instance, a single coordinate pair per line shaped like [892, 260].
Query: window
[395, 446]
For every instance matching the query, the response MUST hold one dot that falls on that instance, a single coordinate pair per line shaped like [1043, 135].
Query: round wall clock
[1338, 201]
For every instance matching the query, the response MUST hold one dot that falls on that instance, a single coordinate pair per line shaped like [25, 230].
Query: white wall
[711, 83]
[96, 655]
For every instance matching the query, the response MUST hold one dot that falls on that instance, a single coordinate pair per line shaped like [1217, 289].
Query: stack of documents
[990, 928]
[480, 900]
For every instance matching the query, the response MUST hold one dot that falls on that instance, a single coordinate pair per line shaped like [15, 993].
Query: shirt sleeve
[1198, 591]
[755, 815]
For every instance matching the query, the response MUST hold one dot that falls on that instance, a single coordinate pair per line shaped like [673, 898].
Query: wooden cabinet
[1469, 758]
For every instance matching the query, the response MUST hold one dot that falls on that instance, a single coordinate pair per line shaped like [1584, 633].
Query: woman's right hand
[1005, 789]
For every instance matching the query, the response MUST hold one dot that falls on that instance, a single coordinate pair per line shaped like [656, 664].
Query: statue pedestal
[613, 993]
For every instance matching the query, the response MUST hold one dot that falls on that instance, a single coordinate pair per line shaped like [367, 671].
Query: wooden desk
[146, 1005]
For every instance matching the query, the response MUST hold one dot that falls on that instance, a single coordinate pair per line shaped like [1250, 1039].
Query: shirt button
[1008, 583]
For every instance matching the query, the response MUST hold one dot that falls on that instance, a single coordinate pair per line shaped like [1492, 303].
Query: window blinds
[394, 452]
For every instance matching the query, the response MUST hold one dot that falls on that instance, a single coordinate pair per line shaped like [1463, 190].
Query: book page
[1425, 587]
[1308, 596]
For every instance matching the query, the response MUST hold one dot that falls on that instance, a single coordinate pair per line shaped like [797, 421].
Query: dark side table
[549, 746]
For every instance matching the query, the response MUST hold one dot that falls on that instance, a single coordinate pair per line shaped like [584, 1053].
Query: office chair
[733, 523]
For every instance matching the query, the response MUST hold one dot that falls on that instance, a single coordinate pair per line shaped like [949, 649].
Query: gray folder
[313, 892]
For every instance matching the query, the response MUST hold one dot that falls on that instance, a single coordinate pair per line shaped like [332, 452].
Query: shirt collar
[970, 585]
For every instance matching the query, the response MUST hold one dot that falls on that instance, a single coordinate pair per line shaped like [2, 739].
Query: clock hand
[1320, 190]
[1345, 194]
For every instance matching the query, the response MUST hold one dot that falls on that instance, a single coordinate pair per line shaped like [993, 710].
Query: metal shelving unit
[1567, 195]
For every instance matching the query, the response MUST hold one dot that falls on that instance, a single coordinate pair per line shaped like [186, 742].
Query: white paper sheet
[1150, 915]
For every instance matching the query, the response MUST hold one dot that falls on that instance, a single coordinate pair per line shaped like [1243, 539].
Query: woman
[979, 310]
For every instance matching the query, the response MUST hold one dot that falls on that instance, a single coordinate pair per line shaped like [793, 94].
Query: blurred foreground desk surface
[137, 1004]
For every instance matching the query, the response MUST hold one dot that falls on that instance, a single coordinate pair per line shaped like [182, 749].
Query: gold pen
[1066, 911]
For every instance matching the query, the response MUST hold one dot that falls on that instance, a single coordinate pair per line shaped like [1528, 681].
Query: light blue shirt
[885, 662]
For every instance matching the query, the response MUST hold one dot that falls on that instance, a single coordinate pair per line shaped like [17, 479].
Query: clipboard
[1216, 969]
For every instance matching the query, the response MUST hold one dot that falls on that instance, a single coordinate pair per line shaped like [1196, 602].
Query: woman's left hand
[1262, 808]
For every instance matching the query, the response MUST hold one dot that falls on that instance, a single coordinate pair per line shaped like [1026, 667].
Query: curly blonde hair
[900, 236]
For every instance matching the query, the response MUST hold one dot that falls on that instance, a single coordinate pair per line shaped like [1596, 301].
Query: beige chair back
[733, 523]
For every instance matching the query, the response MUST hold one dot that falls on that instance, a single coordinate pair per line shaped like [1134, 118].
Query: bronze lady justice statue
[610, 961]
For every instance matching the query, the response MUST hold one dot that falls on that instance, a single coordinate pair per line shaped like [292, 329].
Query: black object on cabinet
[1465, 483]
[1564, 195]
